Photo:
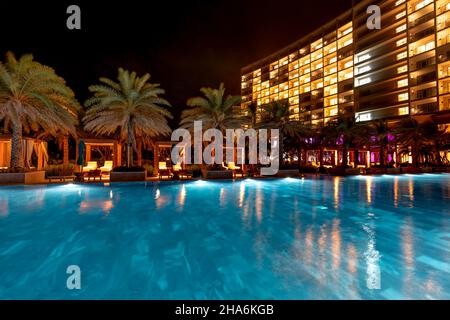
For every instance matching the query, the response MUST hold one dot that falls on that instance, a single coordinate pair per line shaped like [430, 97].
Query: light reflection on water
[330, 238]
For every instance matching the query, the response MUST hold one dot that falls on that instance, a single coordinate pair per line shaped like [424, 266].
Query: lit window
[400, 15]
[401, 42]
[425, 47]
[365, 117]
[333, 60]
[402, 83]
[363, 81]
[402, 55]
[401, 28]
[364, 69]
[333, 112]
[347, 31]
[333, 102]
[423, 4]
[348, 42]
[399, 2]
[403, 96]
[403, 111]
[402, 69]
[348, 64]
[363, 58]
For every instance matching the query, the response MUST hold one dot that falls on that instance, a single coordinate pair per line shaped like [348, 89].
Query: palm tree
[33, 98]
[214, 110]
[419, 136]
[276, 115]
[348, 131]
[130, 108]
[250, 114]
[380, 130]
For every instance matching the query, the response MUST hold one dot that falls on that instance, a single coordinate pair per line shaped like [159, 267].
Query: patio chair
[107, 168]
[164, 171]
[92, 165]
[236, 169]
[181, 173]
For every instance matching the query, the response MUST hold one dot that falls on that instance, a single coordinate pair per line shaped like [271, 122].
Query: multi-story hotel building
[399, 70]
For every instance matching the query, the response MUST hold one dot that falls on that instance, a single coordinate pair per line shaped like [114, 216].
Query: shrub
[59, 170]
[17, 170]
[149, 168]
[196, 171]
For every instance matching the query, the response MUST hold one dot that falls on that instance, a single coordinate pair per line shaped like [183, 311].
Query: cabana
[110, 150]
[30, 146]
[162, 153]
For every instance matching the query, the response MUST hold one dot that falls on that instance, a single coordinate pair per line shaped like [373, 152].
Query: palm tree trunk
[129, 146]
[321, 156]
[16, 146]
[129, 150]
[415, 155]
[344, 154]
[382, 153]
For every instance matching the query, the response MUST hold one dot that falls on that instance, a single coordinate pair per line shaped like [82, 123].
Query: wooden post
[88, 152]
[66, 150]
[119, 155]
[155, 160]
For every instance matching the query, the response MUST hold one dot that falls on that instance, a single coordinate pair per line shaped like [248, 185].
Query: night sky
[183, 45]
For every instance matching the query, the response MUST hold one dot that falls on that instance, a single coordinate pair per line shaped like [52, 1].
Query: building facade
[399, 70]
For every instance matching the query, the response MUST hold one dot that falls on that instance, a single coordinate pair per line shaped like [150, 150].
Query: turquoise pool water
[380, 237]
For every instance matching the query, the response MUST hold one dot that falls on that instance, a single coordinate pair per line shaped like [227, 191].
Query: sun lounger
[92, 165]
[107, 167]
[164, 171]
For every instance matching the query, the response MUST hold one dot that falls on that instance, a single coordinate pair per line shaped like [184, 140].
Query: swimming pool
[385, 237]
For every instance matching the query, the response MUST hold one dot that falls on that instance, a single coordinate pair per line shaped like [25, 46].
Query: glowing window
[333, 112]
[400, 15]
[402, 69]
[399, 2]
[403, 111]
[402, 55]
[363, 81]
[348, 64]
[401, 42]
[403, 96]
[364, 69]
[423, 4]
[363, 58]
[401, 28]
[402, 83]
[365, 117]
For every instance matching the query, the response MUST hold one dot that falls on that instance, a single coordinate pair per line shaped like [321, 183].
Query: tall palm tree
[419, 136]
[33, 98]
[130, 108]
[214, 110]
[348, 131]
[276, 115]
[380, 130]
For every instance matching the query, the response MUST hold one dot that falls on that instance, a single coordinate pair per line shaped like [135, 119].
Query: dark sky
[184, 45]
